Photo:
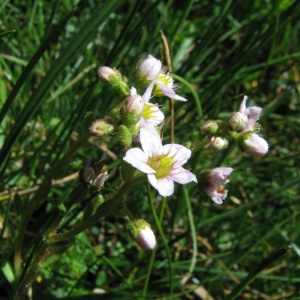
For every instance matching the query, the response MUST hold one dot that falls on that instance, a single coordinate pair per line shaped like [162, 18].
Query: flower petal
[137, 158]
[169, 92]
[182, 176]
[133, 91]
[151, 142]
[243, 105]
[215, 196]
[253, 114]
[147, 95]
[165, 186]
[179, 153]
[219, 176]
[153, 180]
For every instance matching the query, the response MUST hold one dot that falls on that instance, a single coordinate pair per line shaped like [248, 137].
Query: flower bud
[218, 143]
[148, 69]
[114, 79]
[141, 232]
[125, 136]
[253, 144]
[107, 74]
[134, 103]
[211, 127]
[238, 121]
[101, 128]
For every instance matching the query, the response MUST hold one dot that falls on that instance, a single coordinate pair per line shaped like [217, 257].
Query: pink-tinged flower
[250, 115]
[164, 85]
[253, 144]
[162, 164]
[148, 69]
[211, 182]
[141, 232]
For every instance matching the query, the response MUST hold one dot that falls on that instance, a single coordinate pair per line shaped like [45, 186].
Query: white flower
[211, 181]
[151, 114]
[162, 164]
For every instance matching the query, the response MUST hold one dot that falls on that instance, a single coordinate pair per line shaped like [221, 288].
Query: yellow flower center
[165, 79]
[147, 112]
[162, 164]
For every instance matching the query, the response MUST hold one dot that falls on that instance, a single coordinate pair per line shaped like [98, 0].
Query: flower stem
[158, 222]
[104, 210]
[199, 145]
[171, 101]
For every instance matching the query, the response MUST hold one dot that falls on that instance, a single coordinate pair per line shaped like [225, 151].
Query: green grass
[220, 50]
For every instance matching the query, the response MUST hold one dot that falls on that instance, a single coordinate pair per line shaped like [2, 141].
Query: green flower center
[162, 164]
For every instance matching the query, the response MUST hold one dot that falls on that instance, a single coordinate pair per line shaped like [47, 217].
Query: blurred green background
[223, 50]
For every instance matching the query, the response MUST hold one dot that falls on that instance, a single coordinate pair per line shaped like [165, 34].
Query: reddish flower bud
[141, 232]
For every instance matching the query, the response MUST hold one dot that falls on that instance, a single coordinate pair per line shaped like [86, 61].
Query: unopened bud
[211, 127]
[134, 103]
[238, 121]
[253, 144]
[148, 69]
[218, 143]
[114, 79]
[108, 74]
[124, 135]
[101, 128]
[141, 232]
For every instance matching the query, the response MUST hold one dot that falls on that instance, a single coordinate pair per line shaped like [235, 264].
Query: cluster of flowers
[136, 119]
[241, 126]
[161, 163]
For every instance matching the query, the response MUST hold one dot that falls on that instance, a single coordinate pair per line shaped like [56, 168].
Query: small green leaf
[8, 272]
